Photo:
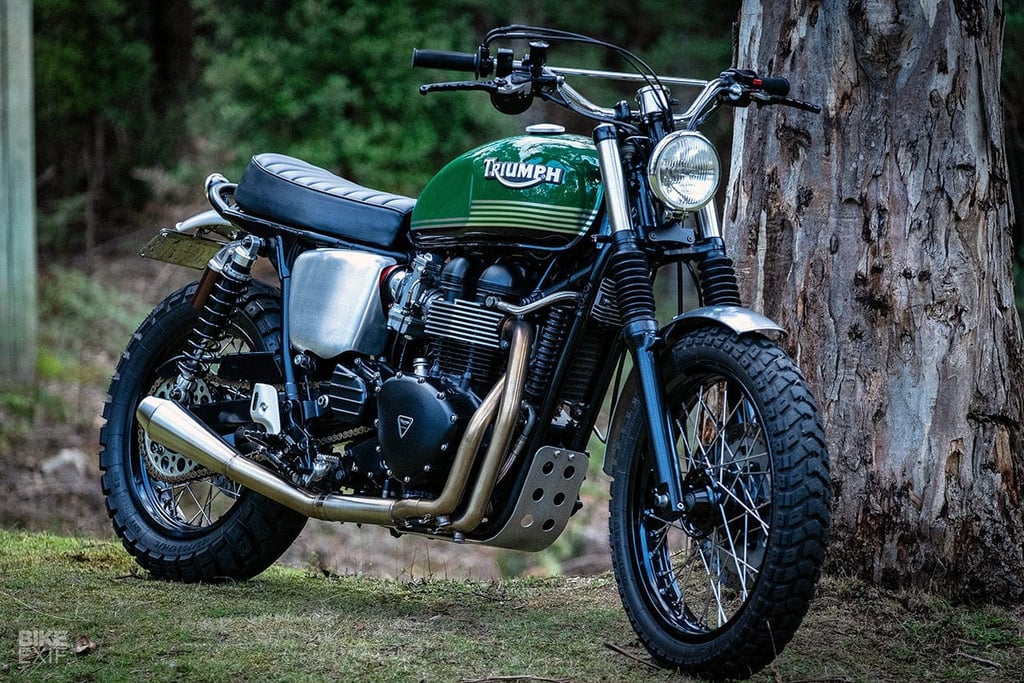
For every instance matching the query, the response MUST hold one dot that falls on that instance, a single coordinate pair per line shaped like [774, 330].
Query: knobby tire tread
[255, 531]
[801, 497]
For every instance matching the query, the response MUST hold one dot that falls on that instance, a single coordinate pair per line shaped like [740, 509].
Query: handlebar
[520, 81]
[444, 59]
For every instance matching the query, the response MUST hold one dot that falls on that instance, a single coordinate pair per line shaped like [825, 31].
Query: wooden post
[17, 196]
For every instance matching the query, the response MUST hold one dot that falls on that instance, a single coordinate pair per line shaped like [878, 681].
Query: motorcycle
[437, 365]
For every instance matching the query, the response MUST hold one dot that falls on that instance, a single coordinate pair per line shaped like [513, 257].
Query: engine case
[420, 422]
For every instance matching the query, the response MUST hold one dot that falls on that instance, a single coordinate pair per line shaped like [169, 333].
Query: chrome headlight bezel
[694, 184]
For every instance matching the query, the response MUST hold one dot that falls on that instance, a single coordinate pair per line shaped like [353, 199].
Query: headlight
[684, 170]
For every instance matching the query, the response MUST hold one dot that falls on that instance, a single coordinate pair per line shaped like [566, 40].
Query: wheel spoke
[183, 505]
[741, 566]
[200, 512]
[714, 585]
[712, 572]
[747, 511]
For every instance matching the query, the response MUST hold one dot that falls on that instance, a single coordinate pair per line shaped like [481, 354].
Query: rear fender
[742, 321]
[207, 221]
[188, 243]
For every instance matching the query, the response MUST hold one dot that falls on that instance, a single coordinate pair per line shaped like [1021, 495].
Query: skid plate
[546, 502]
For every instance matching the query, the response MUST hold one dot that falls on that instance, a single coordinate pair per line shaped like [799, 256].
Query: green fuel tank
[535, 190]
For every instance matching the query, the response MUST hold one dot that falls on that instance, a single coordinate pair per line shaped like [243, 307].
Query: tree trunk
[17, 196]
[879, 234]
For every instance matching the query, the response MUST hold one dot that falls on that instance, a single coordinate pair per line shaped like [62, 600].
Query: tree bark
[17, 196]
[879, 234]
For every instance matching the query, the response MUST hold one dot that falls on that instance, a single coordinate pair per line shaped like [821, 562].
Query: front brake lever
[805, 106]
[763, 100]
[797, 104]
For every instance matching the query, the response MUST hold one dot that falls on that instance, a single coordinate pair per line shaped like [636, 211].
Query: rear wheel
[179, 520]
[721, 590]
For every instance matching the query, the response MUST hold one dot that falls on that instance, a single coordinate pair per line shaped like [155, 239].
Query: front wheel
[721, 590]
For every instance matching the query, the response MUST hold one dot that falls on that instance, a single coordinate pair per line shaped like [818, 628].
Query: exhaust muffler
[169, 424]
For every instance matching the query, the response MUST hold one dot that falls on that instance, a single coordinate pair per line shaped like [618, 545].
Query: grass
[290, 624]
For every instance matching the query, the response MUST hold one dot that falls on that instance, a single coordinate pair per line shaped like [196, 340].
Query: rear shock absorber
[220, 289]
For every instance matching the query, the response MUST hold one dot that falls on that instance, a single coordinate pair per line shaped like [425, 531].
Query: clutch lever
[486, 86]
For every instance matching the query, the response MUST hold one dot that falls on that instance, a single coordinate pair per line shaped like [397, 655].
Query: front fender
[742, 321]
[738, 319]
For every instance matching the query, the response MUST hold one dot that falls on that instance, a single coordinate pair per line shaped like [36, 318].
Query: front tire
[719, 592]
[179, 521]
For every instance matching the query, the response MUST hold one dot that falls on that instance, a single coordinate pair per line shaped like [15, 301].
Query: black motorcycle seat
[287, 190]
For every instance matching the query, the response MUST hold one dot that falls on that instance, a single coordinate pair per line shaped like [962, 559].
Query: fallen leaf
[84, 645]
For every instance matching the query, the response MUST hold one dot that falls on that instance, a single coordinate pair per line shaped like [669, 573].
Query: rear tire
[720, 592]
[180, 522]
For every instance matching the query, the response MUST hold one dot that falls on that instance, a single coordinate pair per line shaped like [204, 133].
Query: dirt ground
[50, 477]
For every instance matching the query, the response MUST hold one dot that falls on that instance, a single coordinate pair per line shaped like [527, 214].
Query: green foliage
[326, 81]
[90, 59]
[333, 86]
[1012, 85]
[1012, 76]
[79, 313]
[95, 113]
[21, 407]
[57, 219]
[82, 329]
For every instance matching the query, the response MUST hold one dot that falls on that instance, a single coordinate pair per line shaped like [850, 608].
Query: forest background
[137, 102]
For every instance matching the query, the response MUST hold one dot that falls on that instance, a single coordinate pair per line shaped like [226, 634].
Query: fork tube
[707, 222]
[631, 272]
[607, 142]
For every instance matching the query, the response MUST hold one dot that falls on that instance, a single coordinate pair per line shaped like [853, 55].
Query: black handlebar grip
[441, 59]
[775, 85]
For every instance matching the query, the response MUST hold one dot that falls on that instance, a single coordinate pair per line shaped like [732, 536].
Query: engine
[444, 306]
[457, 351]
[450, 353]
